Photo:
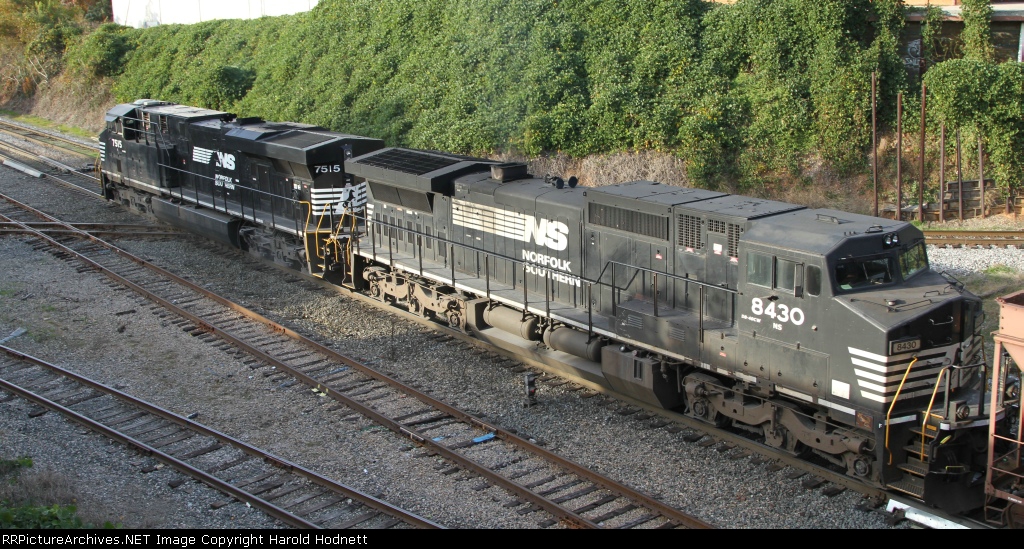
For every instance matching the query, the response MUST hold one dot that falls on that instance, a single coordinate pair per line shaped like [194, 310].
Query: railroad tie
[356, 520]
[205, 450]
[612, 514]
[637, 522]
[591, 506]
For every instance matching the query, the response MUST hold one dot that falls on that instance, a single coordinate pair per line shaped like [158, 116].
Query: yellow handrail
[928, 413]
[894, 399]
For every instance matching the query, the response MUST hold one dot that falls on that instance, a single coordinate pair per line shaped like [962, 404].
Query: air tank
[512, 322]
[574, 342]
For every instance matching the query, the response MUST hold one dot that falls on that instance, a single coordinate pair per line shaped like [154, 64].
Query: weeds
[38, 499]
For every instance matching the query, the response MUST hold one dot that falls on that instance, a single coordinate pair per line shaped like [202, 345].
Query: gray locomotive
[821, 331]
[818, 331]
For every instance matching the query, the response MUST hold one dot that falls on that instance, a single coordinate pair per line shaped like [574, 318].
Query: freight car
[823, 333]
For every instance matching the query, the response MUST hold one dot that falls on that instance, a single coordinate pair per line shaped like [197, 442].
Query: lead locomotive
[821, 332]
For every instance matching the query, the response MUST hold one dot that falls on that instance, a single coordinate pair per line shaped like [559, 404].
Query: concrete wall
[149, 13]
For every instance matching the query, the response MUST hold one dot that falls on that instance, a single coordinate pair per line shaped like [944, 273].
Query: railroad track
[51, 140]
[95, 229]
[286, 491]
[567, 493]
[972, 239]
[730, 445]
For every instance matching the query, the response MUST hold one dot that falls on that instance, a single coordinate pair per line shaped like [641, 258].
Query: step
[914, 469]
[909, 485]
[914, 449]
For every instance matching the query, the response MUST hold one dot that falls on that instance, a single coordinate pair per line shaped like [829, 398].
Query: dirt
[67, 103]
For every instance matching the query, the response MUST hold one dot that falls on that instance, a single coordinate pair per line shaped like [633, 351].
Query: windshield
[861, 272]
[913, 260]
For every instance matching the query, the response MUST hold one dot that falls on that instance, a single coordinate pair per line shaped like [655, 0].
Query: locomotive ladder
[327, 245]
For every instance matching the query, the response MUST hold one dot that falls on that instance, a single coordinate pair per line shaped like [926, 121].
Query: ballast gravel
[83, 322]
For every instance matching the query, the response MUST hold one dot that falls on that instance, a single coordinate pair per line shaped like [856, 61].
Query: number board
[905, 346]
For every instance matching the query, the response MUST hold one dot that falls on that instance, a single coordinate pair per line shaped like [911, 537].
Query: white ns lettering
[547, 233]
[226, 161]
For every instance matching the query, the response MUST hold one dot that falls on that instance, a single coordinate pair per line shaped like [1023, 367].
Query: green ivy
[977, 33]
[744, 94]
[102, 53]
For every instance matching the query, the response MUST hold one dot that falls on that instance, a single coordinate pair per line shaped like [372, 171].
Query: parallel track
[974, 239]
[286, 491]
[569, 492]
[47, 139]
[732, 445]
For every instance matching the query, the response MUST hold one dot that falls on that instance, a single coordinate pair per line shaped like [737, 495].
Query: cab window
[913, 260]
[785, 275]
[812, 278]
[864, 272]
[759, 269]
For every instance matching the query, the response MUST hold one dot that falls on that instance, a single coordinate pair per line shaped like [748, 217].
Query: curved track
[567, 491]
[284, 490]
[729, 444]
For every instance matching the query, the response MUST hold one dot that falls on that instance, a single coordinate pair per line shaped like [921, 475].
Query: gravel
[73, 319]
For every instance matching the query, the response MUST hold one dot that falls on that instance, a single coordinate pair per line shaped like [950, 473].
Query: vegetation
[748, 95]
[26, 503]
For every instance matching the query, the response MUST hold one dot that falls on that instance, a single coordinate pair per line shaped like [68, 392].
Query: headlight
[888, 240]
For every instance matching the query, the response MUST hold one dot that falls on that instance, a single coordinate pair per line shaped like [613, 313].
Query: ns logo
[552, 234]
[226, 161]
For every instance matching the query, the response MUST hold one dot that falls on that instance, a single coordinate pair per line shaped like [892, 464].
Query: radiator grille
[689, 232]
[641, 223]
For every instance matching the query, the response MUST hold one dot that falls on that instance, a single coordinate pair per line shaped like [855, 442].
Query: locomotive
[820, 332]
[276, 189]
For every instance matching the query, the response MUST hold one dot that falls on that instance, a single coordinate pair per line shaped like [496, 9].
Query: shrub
[102, 53]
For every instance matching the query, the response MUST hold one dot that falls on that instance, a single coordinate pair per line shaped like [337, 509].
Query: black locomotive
[278, 189]
[820, 331]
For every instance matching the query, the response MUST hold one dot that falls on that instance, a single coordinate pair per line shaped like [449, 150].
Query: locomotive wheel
[782, 439]
[700, 408]
[375, 290]
[415, 307]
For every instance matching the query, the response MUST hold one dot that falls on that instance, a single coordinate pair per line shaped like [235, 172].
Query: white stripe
[872, 356]
[871, 386]
[874, 397]
[888, 398]
[904, 419]
[201, 155]
[795, 394]
[916, 376]
[869, 376]
[835, 406]
[489, 220]
[875, 367]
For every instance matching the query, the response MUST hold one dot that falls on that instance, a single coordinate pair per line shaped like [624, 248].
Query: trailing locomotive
[821, 332]
[276, 189]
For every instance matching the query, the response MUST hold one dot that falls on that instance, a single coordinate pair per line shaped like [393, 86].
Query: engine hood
[925, 297]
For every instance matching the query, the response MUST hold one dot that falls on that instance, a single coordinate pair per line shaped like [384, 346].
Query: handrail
[893, 404]
[928, 411]
[653, 271]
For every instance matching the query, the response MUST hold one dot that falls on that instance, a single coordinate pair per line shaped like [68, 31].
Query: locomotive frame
[722, 306]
